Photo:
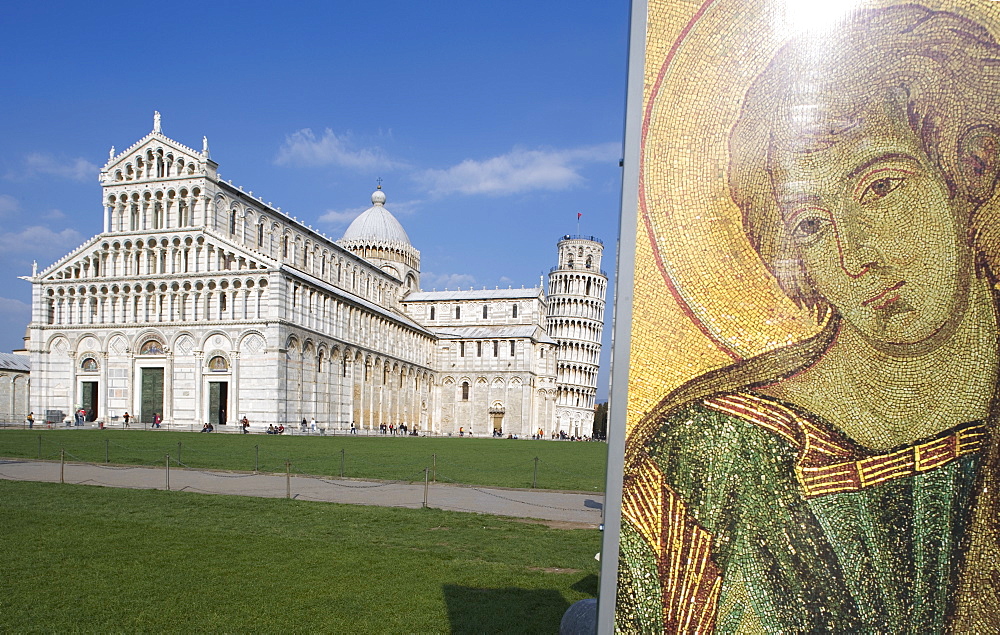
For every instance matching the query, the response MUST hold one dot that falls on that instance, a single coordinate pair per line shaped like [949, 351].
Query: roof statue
[111, 154]
[156, 121]
[204, 146]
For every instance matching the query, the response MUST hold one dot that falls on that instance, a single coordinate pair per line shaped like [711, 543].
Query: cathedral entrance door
[152, 394]
[218, 402]
[88, 398]
[496, 416]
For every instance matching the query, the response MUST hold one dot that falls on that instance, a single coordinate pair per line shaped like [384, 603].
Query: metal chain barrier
[506, 498]
[215, 474]
[369, 486]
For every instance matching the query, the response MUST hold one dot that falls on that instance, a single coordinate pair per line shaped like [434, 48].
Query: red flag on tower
[578, 215]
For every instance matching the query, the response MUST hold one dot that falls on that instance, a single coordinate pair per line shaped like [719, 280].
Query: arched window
[432, 313]
[461, 349]
[458, 313]
[465, 391]
[218, 364]
[590, 262]
[88, 364]
[151, 347]
[485, 312]
[260, 234]
[515, 311]
[479, 349]
[496, 348]
[232, 223]
[512, 348]
[284, 246]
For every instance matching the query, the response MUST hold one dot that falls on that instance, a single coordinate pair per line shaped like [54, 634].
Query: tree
[600, 430]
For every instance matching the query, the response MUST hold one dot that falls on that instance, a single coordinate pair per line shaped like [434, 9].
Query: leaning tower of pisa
[577, 289]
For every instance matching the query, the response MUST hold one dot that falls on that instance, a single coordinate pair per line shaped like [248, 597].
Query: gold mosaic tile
[812, 408]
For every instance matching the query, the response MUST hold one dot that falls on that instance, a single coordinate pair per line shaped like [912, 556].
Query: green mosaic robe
[789, 527]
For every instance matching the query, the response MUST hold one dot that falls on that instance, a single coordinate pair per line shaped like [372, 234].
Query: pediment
[156, 157]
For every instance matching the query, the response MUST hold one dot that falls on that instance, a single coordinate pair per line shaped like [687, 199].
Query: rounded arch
[216, 338]
[252, 341]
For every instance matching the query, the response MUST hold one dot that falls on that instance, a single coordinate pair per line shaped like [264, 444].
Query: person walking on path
[126, 418]
[31, 420]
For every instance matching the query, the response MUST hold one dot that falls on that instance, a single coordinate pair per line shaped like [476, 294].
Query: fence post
[256, 457]
[107, 455]
[434, 462]
[425, 486]
[178, 452]
[168, 472]
[62, 465]
[288, 479]
[534, 479]
[341, 462]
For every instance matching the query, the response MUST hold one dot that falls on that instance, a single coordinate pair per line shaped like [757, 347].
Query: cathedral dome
[376, 225]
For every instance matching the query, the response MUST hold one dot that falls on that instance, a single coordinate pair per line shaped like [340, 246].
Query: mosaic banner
[805, 371]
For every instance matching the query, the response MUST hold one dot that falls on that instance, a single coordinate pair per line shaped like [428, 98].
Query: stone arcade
[201, 302]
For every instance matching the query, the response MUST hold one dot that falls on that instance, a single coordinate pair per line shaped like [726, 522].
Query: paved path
[571, 508]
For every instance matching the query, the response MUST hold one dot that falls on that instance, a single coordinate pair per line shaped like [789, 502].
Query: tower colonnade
[576, 302]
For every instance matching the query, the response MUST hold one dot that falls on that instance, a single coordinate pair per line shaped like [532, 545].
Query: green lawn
[491, 462]
[79, 558]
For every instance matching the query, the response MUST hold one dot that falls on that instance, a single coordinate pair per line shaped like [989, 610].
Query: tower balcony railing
[580, 269]
[576, 237]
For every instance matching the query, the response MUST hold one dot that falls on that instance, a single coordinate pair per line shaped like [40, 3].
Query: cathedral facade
[199, 302]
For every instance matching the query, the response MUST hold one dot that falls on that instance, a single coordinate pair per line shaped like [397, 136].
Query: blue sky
[491, 124]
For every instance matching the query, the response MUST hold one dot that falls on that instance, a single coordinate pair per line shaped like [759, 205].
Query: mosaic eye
[809, 228]
[880, 188]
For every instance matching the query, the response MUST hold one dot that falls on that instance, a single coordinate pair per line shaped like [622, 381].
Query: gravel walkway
[564, 509]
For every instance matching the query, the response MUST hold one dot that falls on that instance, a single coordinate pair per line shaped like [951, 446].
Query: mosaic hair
[942, 71]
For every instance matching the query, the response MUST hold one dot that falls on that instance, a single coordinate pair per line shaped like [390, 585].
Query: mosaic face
[812, 430]
[872, 221]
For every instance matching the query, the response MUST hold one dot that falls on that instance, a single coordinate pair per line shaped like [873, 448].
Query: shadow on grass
[586, 585]
[506, 610]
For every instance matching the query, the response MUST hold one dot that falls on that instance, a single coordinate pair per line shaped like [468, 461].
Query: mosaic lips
[884, 298]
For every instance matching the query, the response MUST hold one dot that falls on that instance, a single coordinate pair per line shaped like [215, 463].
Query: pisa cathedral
[202, 303]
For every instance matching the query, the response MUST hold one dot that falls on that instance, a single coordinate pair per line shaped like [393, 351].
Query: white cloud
[341, 217]
[506, 280]
[8, 204]
[42, 164]
[336, 218]
[11, 308]
[444, 281]
[40, 243]
[303, 148]
[520, 170]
